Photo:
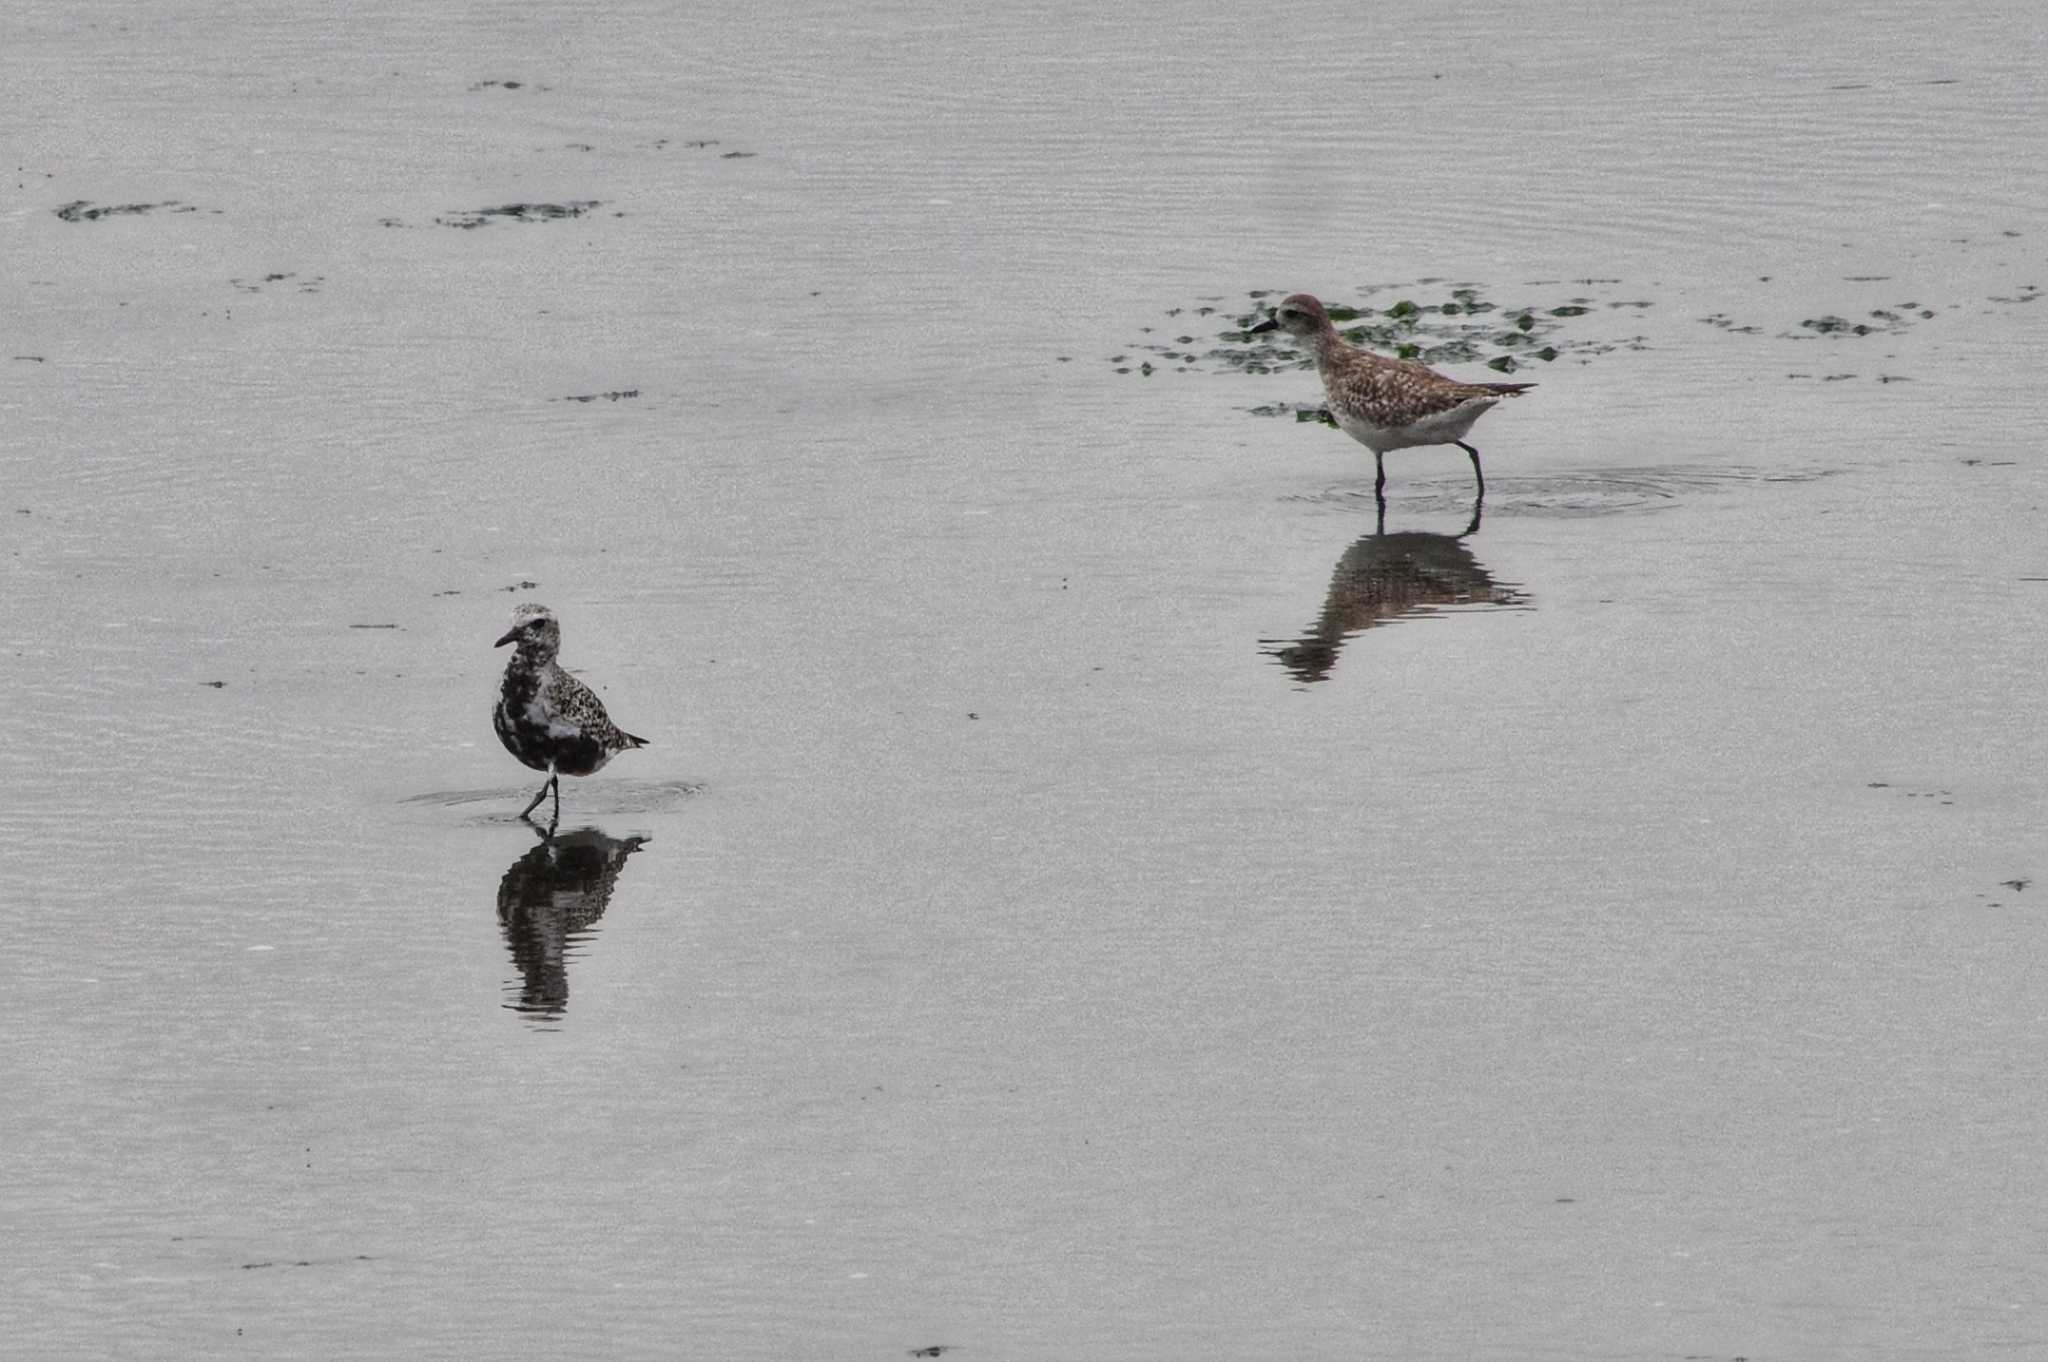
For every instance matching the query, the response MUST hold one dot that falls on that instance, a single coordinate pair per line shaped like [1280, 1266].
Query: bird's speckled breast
[515, 701]
[533, 732]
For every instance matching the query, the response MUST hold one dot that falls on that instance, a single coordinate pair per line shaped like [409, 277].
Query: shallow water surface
[1095, 889]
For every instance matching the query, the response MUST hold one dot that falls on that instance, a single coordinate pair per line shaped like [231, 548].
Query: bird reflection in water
[1384, 577]
[548, 905]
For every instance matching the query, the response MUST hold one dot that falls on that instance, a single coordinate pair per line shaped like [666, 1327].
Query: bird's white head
[536, 631]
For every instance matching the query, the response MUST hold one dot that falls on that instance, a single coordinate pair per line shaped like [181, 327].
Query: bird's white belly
[1437, 428]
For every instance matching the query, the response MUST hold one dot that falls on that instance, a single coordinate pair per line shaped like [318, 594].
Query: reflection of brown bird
[549, 903]
[1383, 577]
[1387, 403]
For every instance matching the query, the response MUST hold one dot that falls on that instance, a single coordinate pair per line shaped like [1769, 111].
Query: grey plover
[546, 717]
[549, 904]
[1387, 403]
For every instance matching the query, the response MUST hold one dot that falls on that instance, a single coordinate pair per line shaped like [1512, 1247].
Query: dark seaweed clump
[518, 212]
[1894, 320]
[83, 210]
[308, 284]
[1882, 321]
[1426, 321]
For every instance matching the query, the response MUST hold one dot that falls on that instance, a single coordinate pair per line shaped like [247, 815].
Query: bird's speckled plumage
[546, 717]
[1388, 403]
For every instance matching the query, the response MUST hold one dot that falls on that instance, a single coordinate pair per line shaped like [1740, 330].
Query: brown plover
[1387, 403]
[546, 717]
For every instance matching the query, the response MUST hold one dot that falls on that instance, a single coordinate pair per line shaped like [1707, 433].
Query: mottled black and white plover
[546, 717]
[1387, 403]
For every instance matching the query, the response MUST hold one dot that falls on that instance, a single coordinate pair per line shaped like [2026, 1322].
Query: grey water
[1095, 890]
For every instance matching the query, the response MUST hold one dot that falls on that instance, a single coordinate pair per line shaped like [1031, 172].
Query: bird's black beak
[510, 635]
[1267, 325]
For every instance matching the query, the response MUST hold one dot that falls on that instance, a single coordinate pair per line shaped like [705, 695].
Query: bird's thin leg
[1477, 472]
[1380, 525]
[1379, 481]
[1473, 528]
[555, 783]
[539, 795]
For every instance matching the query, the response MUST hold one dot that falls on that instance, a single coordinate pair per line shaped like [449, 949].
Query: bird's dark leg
[555, 783]
[1380, 525]
[1379, 480]
[534, 803]
[1477, 508]
[1478, 473]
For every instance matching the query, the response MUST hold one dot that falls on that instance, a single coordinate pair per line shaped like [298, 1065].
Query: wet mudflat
[1094, 890]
